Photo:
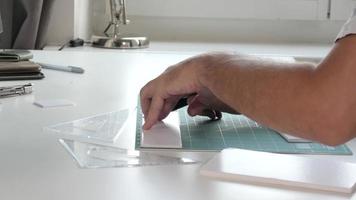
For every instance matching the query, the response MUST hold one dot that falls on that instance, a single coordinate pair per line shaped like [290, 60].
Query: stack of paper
[15, 65]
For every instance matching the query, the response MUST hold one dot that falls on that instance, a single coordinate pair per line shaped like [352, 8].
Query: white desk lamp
[116, 40]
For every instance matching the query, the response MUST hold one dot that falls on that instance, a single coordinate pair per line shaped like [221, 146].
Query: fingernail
[190, 113]
[144, 126]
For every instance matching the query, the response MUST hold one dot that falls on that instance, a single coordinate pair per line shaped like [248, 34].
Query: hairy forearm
[279, 95]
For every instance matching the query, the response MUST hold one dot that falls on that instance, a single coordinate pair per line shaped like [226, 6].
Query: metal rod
[112, 10]
[124, 17]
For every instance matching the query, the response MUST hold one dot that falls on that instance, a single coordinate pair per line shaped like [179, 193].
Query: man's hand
[159, 96]
[315, 102]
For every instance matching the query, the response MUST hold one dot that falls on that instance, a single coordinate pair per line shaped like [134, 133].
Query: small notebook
[15, 55]
[22, 70]
[282, 169]
[19, 67]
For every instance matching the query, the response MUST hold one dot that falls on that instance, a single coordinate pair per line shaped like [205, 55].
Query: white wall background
[267, 21]
[71, 19]
[61, 28]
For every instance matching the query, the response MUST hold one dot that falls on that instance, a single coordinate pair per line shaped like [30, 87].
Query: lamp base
[120, 42]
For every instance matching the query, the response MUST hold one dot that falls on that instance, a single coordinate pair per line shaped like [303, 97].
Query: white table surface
[35, 166]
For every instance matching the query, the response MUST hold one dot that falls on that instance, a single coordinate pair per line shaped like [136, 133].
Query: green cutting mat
[237, 131]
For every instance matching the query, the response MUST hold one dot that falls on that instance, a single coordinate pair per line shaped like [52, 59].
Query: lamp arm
[1, 28]
[124, 16]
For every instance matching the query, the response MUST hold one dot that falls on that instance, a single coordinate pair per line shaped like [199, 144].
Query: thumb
[197, 108]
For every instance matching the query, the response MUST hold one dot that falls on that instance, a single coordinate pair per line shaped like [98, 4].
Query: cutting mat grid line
[238, 131]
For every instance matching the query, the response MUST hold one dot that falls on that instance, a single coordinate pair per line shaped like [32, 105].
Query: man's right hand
[159, 96]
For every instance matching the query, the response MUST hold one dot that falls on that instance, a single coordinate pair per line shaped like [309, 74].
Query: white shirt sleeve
[349, 27]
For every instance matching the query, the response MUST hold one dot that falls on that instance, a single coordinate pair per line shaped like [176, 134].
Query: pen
[63, 68]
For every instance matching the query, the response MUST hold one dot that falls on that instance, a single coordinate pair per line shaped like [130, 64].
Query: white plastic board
[99, 129]
[294, 139]
[164, 134]
[281, 169]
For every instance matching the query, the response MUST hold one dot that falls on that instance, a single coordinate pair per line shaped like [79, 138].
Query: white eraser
[50, 103]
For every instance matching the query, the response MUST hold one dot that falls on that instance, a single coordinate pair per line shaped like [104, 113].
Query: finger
[196, 108]
[167, 108]
[145, 105]
[154, 112]
[145, 98]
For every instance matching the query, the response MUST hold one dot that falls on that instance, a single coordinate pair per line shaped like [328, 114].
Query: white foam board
[294, 139]
[281, 169]
[164, 134]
